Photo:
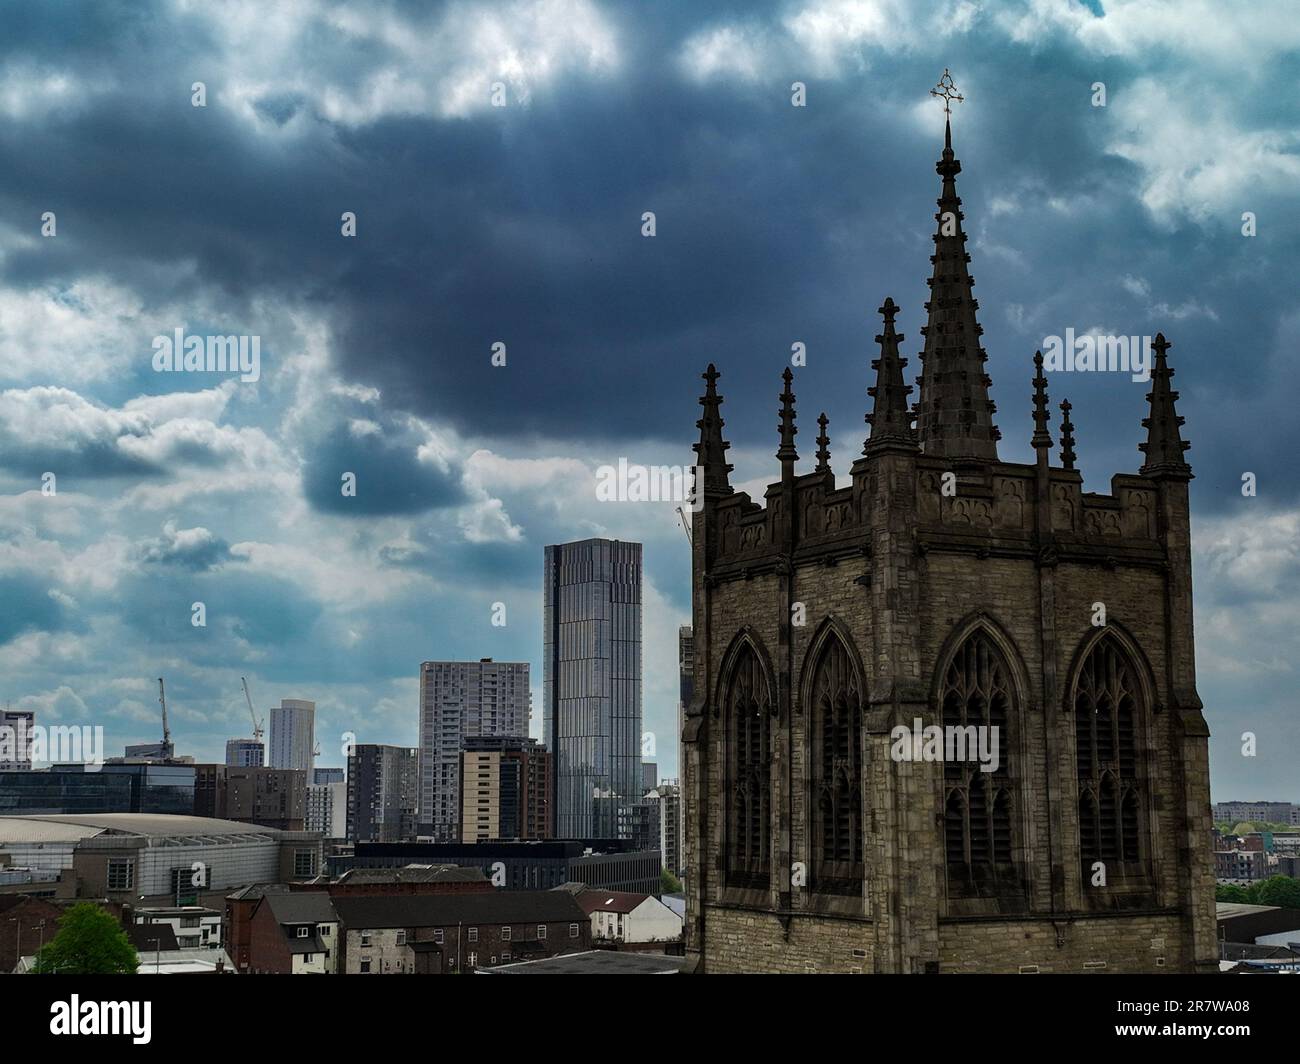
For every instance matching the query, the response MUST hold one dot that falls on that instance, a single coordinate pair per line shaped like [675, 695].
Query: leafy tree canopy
[89, 942]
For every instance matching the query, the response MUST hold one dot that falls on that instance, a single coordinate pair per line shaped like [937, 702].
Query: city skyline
[521, 225]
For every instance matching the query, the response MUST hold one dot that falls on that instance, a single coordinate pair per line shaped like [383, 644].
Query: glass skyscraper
[591, 678]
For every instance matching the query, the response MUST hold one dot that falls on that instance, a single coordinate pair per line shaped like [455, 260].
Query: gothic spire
[786, 452]
[890, 420]
[823, 445]
[1067, 436]
[711, 451]
[954, 415]
[1042, 440]
[1164, 447]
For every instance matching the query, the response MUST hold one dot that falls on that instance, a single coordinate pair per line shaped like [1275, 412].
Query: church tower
[1042, 633]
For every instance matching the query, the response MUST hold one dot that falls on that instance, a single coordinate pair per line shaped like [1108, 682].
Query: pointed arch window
[836, 776]
[1107, 710]
[979, 807]
[749, 781]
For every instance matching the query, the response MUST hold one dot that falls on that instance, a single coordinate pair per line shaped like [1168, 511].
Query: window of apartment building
[473, 934]
[573, 930]
[365, 938]
[365, 967]
[323, 930]
[304, 863]
[307, 958]
[303, 932]
[121, 875]
[401, 938]
[473, 959]
[541, 930]
[437, 935]
[505, 934]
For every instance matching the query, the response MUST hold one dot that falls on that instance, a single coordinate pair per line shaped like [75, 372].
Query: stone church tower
[947, 586]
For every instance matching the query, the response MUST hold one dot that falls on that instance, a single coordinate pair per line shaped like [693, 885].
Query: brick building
[945, 585]
[295, 933]
[270, 797]
[26, 924]
[432, 935]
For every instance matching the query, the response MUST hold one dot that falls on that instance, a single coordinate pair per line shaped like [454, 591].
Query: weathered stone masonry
[946, 585]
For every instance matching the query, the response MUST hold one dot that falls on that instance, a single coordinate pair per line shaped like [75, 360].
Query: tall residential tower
[591, 678]
[460, 700]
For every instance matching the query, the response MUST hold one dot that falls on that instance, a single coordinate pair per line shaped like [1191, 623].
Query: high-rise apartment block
[382, 791]
[592, 685]
[327, 809]
[461, 700]
[505, 789]
[245, 753]
[293, 734]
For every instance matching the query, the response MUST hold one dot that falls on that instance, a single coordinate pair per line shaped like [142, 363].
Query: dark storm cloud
[390, 477]
[522, 225]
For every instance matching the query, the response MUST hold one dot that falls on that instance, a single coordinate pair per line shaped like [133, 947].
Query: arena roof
[69, 827]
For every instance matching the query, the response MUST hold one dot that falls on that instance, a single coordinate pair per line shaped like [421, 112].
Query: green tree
[1231, 892]
[1279, 890]
[89, 942]
[669, 883]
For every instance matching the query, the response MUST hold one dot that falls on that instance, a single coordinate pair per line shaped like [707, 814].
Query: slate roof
[445, 910]
[301, 907]
[609, 901]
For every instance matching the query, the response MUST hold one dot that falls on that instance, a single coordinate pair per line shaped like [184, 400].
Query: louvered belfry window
[979, 806]
[1106, 706]
[748, 778]
[836, 763]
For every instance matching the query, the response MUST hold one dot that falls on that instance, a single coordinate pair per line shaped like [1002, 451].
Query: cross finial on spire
[946, 90]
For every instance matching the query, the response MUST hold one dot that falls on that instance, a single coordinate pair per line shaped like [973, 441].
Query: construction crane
[257, 727]
[162, 700]
[686, 526]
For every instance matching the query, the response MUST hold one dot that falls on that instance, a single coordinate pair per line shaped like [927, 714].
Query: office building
[327, 809]
[269, 797]
[245, 753]
[293, 734]
[327, 775]
[670, 826]
[382, 788]
[460, 700]
[505, 789]
[16, 730]
[592, 684]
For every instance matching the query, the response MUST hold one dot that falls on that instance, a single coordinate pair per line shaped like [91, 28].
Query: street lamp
[19, 935]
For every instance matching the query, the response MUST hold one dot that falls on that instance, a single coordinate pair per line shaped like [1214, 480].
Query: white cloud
[740, 52]
[81, 331]
[31, 92]
[1196, 159]
[399, 62]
